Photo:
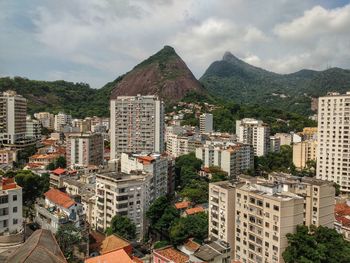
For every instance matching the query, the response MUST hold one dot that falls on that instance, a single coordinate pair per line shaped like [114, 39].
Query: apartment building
[285, 138]
[62, 120]
[254, 132]
[231, 158]
[333, 157]
[254, 215]
[137, 125]
[10, 207]
[13, 112]
[33, 129]
[8, 156]
[84, 150]
[303, 152]
[275, 144]
[206, 123]
[154, 164]
[46, 119]
[178, 145]
[125, 195]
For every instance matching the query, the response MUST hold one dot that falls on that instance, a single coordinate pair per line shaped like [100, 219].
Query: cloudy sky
[95, 41]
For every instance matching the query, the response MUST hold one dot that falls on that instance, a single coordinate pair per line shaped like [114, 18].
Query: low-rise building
[342, 219]
[57, 209]
[8, 156]
[169, 255]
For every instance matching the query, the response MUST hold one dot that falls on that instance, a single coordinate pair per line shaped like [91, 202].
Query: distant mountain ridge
[233, 78]
[164, 74]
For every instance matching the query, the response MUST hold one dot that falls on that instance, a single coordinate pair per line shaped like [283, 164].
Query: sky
[95, 41]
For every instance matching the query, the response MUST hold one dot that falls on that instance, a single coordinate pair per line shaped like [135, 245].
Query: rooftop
[112, 243]
[111, 257]
[59, 198]
[194, 210]
[58, 171]
[182, 205]
[172, 254]
[41, 246]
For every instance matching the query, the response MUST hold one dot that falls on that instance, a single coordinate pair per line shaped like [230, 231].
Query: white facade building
[233, 158]
[61, 120]
[333, 152]
[206, 123]
[13, 112]
[137, 125]
[33, 129]
[47, 119]
[10, 207]
[254, 132]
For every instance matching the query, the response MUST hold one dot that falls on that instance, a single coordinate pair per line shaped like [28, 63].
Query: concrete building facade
[13, 112]
[137, 125]
[46, 119]
[61, 120]
[84, 150]
[333, 152]
[206, 123]
[254, 132]
[303, 152]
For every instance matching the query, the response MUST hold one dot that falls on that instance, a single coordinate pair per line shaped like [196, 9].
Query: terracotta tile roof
[8, 183]
[194, 210]
[59, 198]
[96, 239]
[182, 205]
[111, 257]
[342, 210]
[145, 159]
[172, 254]
[343, 220]
[191, 245]
[112, 243]
[59, 171]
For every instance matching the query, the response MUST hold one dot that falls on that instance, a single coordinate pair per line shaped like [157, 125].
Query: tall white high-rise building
[137, 125]
[206, 123]
[333, 151]
[254, 132]
[61, 120]
[13, 113]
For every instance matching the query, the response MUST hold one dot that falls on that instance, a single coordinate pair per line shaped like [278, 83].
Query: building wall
[303, 152]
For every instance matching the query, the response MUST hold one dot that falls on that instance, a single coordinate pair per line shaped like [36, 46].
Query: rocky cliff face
[164, 74]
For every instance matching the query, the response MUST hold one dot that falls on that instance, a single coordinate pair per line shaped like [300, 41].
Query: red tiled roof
[342, 209]
[111, 257]
[194, 210]
[59, 198]
[8, 183]
[182, 205]
[171, 254]
[343, 220]
[145, 159]
[59, 171]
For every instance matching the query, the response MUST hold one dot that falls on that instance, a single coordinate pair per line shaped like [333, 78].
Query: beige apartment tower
[303, 152]
[137, 125]
[333, 152]
[13, 114]
[254, 215]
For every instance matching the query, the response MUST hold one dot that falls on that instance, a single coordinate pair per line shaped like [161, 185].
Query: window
[267, 205]
[276, 208]
[275, 228]
[15, 221]
[4, 199]
[14, 198]
[14, 209]
[267, 224]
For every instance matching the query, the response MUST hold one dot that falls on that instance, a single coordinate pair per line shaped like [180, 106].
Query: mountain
[243, 83]
[164, 74]
[77, 99]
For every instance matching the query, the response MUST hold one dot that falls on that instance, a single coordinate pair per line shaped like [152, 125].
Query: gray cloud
[97, 40]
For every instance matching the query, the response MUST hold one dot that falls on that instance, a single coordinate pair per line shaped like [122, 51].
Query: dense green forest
[245, 84]
[77, 99]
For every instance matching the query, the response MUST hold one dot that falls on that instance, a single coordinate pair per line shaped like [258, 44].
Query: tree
[33, 185]
[61, 162]
[337, 189]
[195, 226]
[160, 244]
[196, 191]
[319, 245]
[122, 226]
[217, 174]
[157, 208]
[67, 237]
[166, 220]
[186, 169]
